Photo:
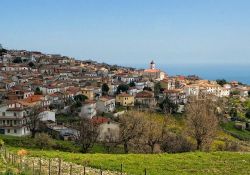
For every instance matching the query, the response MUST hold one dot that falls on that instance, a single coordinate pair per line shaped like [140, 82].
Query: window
[14, 114]
[8, 131]
[14, 122]
[4, 122]
[8, 122]
[15, 131]
[3, 113]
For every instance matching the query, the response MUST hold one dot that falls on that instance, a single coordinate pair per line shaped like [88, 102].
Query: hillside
[159, 164]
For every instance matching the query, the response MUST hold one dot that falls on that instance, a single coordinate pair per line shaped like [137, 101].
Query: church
[153, 74]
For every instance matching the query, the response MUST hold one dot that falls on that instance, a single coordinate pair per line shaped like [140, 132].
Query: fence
[54, 166]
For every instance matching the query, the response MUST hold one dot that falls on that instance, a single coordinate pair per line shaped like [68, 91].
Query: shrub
[232, 146]
[22, 152]
[65, 146]
[176, 144]
[43, 140]
[218, 145]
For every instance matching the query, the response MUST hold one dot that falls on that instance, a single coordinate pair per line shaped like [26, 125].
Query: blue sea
[230, 72]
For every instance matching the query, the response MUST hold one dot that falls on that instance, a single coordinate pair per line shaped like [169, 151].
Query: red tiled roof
[145, 94]
[99, 120]
[152, 70]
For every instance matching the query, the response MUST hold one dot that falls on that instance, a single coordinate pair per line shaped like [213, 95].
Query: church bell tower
[152, 65]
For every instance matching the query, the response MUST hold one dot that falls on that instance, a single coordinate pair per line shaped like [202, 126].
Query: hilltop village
[58, 89]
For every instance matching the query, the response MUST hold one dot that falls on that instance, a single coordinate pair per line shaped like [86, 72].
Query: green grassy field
[241, 134]
[160, 164]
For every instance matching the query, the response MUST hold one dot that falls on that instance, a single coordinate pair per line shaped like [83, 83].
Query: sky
[171, 32]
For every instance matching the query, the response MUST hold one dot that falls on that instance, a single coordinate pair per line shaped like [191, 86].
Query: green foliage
[63, 118]
[248, 114]
[2, 51]
[218, 145]
[122, 88]
[17, 60]
[31, 64]
[132, 84]
[38, 91]
[1, 143]
[80, 98]
[147, 89]
[221, 82]
[27, 142]
[105, 89]
[240, 134]
[233, 112]
[168, 106]
[43, 141]
[235, 92]
[157, 88]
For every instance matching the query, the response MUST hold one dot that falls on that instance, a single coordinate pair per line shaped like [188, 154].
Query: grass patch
[197, 163]
[28, 142]
[240, 134]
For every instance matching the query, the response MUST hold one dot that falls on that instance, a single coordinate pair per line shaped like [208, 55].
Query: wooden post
[21, 163]
[84, 170]
[12, 159]
[59, 167]
[5, 153]
[101, 171]
[40, 166]
[9, 157]
[49, 166]
[33, 167]
[121, 169]
[70, 169]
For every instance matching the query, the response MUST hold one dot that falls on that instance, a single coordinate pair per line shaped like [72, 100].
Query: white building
[112, 89]
[49, 89]
[13, 119]
[109, 132]
[88, 110]
[191, 90]
[47, 116]
[223, 92]
[105, 104]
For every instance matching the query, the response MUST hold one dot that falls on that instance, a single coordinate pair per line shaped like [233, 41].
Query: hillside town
[56, 87]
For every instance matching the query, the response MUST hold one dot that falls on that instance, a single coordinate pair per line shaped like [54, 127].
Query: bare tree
[87, 134]
[33, 120]
[154, 131]
[131, 128]
[110, 141]
[202, 121]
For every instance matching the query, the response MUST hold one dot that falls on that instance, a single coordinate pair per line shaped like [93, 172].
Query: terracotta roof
[33, 98]
[151, 70]
[145, 94]
[124, 95]
[105, 98]
[99, 120]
